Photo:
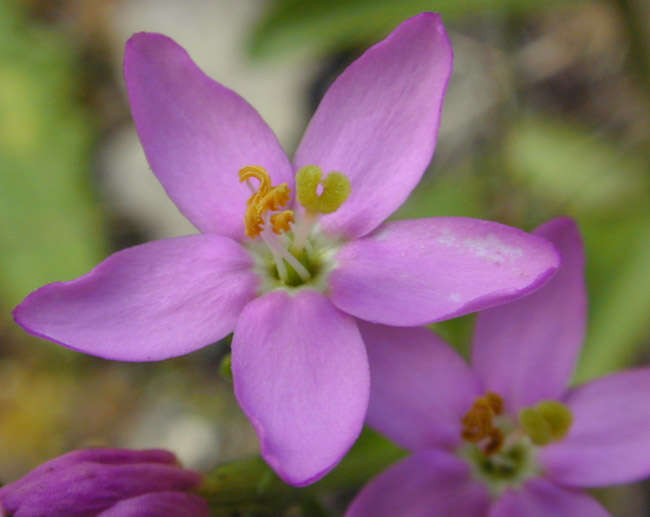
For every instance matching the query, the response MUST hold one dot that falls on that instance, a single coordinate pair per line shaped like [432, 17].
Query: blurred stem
[249, 486]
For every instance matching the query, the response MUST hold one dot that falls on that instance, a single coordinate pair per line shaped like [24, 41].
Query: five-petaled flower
[291, 275]
[505, 438]
[106, 483]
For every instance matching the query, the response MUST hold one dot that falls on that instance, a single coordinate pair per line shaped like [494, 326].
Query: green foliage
[326, 25]
[50, 228]
[620, 298]
[249, 486]
[569, 166]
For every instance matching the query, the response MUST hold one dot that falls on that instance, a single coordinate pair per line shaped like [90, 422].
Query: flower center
[292, 253]
[501, 449]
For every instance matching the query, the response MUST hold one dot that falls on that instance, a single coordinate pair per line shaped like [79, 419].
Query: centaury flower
[105, 483]
[505, 437]
[291, 255]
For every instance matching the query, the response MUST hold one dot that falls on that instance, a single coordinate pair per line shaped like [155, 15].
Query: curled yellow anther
[495, 402]
[260, 174]
[267, 198]
[253, 222]
[478, 424]
[281, 221]
[275, 198]
[335, 189]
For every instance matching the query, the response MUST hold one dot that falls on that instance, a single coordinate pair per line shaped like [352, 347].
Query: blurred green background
[547, 114]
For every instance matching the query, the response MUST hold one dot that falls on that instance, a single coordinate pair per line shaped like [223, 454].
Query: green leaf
[620, 298]
[574, 170]
[51, 229]
[326, 25]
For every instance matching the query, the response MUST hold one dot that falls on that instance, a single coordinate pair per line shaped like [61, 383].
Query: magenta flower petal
[161, 504]
[413, 272]
[539, 498]
[419, 387]
[609, 441]
[150, 302]
[301, 375]
[85, 483]
[197, 134]
[428, 483]
[379, 120]
[100, 455]
[526, 350]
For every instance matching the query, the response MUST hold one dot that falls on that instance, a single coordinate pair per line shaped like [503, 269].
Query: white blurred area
[214, 34]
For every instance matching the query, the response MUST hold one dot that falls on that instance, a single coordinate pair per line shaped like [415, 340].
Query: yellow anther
[253, 222]
[260, 174]
[281, 221]
[335, 189]
[495, 401]
[267, 198]
[547, 422]
[275, 198]
[478, 424]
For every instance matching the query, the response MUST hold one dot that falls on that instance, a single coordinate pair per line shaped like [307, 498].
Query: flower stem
[250, 487]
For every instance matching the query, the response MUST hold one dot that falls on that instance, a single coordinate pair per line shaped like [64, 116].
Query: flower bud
[105, 482]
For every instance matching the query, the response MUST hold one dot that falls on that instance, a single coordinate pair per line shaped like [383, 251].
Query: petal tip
[140, 40]
[21, 313]
[559, 226]
[288, 473]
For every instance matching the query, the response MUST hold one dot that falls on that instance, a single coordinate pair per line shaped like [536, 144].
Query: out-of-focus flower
[505, 438]
[290, 274]
[106, 483]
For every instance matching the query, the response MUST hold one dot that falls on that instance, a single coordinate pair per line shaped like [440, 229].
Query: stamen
[478, 423]
[494, 443]
[276, 198]
[267, 198]
[260, 174]
[281, 221]
[495, 401]
[277, 258]
[296, 265]
[280, 255]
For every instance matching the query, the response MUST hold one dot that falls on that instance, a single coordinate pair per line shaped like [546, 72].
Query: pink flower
[505, 437]
[105, 483]
[291, 277]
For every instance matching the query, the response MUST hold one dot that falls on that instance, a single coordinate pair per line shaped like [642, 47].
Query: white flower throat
[294, 253]
[502, 450]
